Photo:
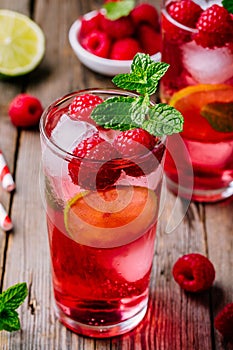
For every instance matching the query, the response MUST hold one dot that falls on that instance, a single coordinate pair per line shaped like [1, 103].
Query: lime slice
[22, 44]
[110, 218]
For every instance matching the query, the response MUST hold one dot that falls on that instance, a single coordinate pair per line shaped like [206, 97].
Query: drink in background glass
[102, 211]
[198, 45]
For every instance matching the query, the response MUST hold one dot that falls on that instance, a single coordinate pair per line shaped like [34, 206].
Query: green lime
[22, 44]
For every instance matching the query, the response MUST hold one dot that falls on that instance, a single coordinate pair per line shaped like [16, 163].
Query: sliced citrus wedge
[110, 218]
[191, 101]
[22, 44]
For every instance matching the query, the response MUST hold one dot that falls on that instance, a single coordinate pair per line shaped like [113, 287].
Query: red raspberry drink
[102, 190]
[197, 43]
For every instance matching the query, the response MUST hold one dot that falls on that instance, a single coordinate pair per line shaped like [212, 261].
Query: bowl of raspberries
[106, 40]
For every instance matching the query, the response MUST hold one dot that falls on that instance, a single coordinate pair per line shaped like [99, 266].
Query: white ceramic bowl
[100, 65]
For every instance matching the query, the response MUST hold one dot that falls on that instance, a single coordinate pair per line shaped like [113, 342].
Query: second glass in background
[199, 83]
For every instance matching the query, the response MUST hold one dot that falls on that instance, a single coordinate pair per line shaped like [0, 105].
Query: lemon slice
[22, 44]
[110, 218]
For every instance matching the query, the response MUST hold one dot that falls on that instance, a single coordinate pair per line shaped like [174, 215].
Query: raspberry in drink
[199, 83]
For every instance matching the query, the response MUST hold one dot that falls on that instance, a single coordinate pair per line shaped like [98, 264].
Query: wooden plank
[219, 232]
[8, 133]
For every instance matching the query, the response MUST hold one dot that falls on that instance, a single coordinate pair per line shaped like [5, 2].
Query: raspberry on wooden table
[223, 322]
[25, 110]
[194, 272]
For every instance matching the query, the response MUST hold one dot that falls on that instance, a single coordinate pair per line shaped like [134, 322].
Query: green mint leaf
[144, 76]
[9, 320]
[13, 297]
[219, 115]
[154, 73]
[131, 81]
[163, 120]
[228, 4]
[139, 110]
[115, 10]
[114, 113]
[124, 113]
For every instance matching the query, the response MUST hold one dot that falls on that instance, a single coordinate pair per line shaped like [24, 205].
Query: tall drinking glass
[197, 43]
[102, 209]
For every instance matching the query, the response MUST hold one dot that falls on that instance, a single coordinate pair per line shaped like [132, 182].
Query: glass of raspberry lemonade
[198, 46]
[102, 182]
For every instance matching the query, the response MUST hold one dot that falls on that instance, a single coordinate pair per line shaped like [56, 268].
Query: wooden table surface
[175, 320]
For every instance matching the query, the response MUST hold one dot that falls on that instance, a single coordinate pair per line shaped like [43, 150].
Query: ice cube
[136, 261]
[68, 133]
[208, 66]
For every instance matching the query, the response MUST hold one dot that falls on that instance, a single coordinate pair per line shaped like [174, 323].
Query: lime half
[22, 44]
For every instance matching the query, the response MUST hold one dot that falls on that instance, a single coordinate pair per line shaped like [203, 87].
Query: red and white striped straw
[5, 221]
[5, 176]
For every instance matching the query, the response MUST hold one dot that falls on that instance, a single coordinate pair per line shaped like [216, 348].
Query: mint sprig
[10, 300]
[115, 10]
[124, 113]
[228, 4]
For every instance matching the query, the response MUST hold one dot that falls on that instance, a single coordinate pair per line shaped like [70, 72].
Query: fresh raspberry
[150, 40]
[215, 27]
[88, 25]
[223, 322]
[97, 42]
[185, 12]
[91, 174]
[132, 145]
[82, 106]
[125, 49]
[134, 142]
[119, 28]
[25, 110]
[194, 272]
[147, 14]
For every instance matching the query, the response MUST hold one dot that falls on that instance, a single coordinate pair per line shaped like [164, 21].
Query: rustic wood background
[175, 320]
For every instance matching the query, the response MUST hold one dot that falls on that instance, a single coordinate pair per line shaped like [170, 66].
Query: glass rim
[67, 155]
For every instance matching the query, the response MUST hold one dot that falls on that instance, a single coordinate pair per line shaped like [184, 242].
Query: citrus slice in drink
[192, 100]
[112, 217]
[22, 43]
